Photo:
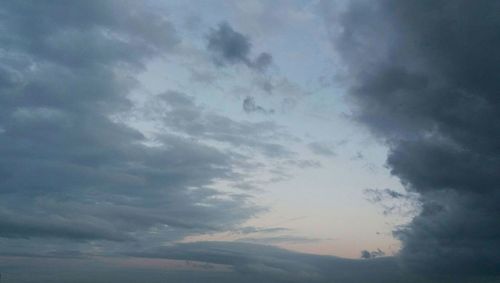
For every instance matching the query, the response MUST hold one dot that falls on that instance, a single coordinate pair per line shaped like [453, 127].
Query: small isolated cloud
[231, 47]
[365, 254]
[263, 61]
[253, 230]
[249, 106]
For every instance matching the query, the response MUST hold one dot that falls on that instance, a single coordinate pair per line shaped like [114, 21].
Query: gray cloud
[74, 178]
[250, 106]
[263, 61]
[365, 254]
[231, 47]
[179, 113]
[214, 262]
[252, 230]
[424, 76]
[271, 264]
[278, 240]
[321, 148]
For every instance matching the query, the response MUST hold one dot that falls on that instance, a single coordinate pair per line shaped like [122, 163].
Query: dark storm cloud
[70, 173]
[231, 47]
[424, 76]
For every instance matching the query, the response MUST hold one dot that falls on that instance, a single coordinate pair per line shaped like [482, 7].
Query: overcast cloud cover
[102, 180]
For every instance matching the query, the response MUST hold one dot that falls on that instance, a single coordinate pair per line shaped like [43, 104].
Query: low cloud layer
[270, 264]
[217, 262]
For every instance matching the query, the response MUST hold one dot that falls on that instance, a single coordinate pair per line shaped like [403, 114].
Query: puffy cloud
[230, 47]
[263, 61]
[423, 76]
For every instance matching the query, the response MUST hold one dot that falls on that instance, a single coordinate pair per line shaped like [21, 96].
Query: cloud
[75, 177]
[373, 254]
[270, 264]
[278, 240]
[423, 76]
[178, 112]
[214, 262]
[263, 61]
[231, 47]
[321, 148]
[249, 106]
[19, 226]
[252, 230]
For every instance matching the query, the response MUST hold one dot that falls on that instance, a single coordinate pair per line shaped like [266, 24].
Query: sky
[243, 141]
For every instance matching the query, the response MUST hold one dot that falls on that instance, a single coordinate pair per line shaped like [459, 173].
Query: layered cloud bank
[220, 262]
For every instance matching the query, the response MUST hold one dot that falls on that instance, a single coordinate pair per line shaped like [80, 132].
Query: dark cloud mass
[424, 76]
[230, 47]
